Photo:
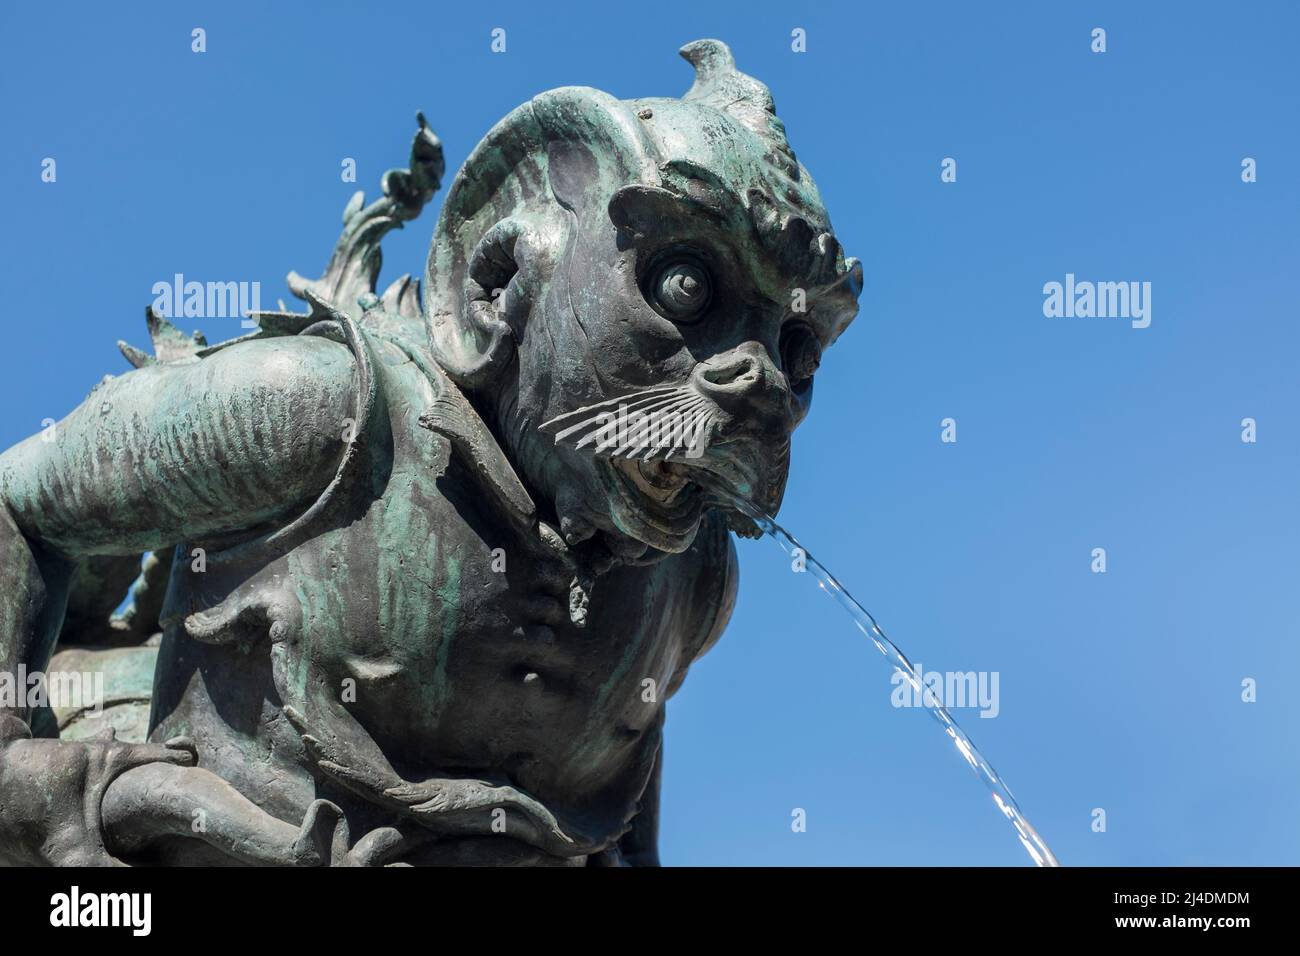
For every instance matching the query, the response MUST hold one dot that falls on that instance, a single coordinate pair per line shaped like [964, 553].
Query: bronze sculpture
[423, 590]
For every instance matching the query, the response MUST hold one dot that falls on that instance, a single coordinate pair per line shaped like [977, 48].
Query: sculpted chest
[421, 620]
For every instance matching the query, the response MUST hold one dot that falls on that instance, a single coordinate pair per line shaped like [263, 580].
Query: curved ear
[472, 344]
[568, 146]
[475, 342]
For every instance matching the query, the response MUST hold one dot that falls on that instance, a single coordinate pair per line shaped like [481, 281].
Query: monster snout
[746, 385]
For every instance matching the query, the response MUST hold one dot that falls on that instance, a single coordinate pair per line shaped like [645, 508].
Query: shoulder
[291, 364]
[299, 391]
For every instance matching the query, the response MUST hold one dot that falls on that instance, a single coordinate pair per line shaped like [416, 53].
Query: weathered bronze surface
[415, 592]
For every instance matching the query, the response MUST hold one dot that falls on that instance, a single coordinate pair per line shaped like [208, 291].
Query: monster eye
[801, 353]
[680, 290]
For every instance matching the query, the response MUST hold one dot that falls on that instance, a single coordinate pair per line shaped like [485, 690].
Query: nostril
[738, 373]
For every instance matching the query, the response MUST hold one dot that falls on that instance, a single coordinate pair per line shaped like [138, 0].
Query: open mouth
[658, 490]
[660, 502]
[657, 502]
[663, 482]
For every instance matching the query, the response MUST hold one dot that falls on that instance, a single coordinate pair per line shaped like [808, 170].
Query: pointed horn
[712, 60]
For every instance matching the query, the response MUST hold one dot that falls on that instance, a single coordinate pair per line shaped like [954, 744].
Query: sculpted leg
[33, 593]
[149, 807]
[52, 792]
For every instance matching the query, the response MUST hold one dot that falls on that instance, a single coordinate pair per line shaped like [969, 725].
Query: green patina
[591, 252]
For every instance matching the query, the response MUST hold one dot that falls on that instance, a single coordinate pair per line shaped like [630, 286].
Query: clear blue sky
[1120, 691]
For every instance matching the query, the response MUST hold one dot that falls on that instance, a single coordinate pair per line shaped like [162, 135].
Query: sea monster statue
[414, 591]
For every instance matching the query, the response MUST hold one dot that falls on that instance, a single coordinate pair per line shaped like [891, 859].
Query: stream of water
[1034, 844]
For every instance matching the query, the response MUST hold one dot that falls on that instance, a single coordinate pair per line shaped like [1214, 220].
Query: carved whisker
[639, 425]
[562, 426]
[700, 426]
[689, 413]
[636, 441]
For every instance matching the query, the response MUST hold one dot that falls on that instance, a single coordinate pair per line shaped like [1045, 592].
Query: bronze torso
[327, 611]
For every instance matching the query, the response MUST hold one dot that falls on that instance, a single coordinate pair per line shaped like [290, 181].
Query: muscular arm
[160, 455]
[174, 452]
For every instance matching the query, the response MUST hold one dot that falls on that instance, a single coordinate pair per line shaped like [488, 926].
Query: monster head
[636, 295]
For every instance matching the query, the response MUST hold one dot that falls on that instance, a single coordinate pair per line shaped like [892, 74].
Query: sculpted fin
[170, 344]
[403, 297]
[137, 357]
[353, 269]
[348, 284]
